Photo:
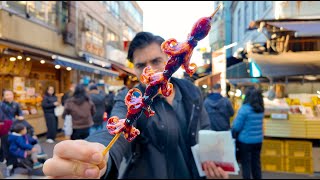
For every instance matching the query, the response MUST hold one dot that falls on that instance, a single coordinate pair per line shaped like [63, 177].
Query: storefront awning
[288, 64]
[75, 64]
[301, 27]
[122, 68]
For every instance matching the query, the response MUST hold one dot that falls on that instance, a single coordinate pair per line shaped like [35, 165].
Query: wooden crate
[301, 149]
[299, 165]
[272, 148]
[273, 163]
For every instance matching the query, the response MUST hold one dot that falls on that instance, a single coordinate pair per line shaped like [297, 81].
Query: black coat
[160, 151]
[47, 104]
[98, 100]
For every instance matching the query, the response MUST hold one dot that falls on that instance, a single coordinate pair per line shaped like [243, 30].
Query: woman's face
[50, 90]
[8, 96]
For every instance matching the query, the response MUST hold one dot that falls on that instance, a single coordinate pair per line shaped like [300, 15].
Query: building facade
[55, 43]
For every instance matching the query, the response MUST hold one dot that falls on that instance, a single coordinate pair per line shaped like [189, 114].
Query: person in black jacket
[219, 108]
[50, 101]
[163, 148]
[99, 101]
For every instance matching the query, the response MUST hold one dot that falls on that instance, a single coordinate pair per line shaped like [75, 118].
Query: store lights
[12, 59]
[42, 61]
[90, 62]
[204, 86]
[103, 65]
[28, 59]
[53, 56]
[57, 66]
[19, 57]
[69, 68]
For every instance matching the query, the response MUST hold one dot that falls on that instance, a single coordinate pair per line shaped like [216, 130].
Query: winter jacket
[98, 100]
[10, 110]
[160, 151]
[219, 110]
[248, 125]
[81, 113]
[19, 144]
[47, 104]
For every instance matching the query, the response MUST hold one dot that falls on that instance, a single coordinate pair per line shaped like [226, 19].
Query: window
[95, 34]
[133, 11]
[131, 33]
[43, 10]
[111, 36]
[239, 25]
[246, 15]
[255, 10]
[19, 6]
[113, 8]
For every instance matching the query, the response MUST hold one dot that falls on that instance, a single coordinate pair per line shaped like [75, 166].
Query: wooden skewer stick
[114, 139]
[215, 11]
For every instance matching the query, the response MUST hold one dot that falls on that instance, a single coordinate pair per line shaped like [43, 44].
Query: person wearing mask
[99, 101]
[248, 130]
[163, 148]
[81, 109]
[49, 103]
[219, 108]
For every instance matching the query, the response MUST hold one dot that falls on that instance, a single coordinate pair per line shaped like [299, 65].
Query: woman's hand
[214, 172]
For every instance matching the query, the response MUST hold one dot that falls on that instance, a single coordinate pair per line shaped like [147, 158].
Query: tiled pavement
[37, 174]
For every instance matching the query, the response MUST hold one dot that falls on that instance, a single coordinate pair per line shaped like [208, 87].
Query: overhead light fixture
[69, 68]
[204, 86]
[53, 56]
[57, 66]
[19, 57]
[103, 65]
[28, 59]
[42, 61]
[90, 62]
[12, 59]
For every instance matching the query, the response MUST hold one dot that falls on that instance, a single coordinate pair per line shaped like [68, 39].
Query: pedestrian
[68, 94]
[219, 109]
[248, 129]
[49, 103]
[23, 147]
[163, 148]
[11, 112]
[99, 101]
[81, 109]
[109, 102]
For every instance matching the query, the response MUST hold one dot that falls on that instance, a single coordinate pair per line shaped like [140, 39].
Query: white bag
[67, 126]
[58, 111]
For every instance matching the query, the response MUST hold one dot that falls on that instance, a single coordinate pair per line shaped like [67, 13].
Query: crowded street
[159, 90]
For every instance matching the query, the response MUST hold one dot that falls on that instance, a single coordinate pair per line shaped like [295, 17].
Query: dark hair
[93, 87]
[80, 94]
[217, 86]
[141, 40]
[254, 98]
[18, 127]
[54, 91]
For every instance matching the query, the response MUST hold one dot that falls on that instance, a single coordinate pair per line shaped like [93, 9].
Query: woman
[248, 125]
[81, 109]
[50, 101]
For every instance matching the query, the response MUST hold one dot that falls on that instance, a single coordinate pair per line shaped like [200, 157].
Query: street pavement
[48, 149]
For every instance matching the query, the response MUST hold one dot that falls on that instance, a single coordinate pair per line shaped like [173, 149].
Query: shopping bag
[58, 111]
[67, 126]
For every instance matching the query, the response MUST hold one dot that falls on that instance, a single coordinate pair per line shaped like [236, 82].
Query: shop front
[28, 75]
